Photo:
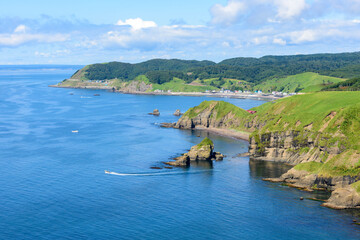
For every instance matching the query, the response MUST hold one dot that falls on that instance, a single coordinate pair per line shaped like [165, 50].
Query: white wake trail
[156, 174]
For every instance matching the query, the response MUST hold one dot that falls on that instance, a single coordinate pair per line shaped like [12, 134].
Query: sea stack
[204, 151]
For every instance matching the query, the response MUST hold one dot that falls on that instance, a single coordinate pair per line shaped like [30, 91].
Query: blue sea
[53, 185]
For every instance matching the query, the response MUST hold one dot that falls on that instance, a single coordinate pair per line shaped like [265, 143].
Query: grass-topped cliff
[214, 114]
[319, 129]
[326, 125]
[316, 132]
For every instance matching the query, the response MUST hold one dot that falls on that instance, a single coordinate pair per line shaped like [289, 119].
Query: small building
[252, 112]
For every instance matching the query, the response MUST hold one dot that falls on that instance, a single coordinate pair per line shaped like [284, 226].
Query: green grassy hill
[304, 82]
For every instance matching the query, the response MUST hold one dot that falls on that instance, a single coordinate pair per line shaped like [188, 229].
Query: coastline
[254, 96]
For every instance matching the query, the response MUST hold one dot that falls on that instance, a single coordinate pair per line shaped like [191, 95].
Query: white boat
[107, 172]
[75, 131]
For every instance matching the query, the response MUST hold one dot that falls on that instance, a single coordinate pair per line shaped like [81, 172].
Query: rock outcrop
[135, 86]
[203, 151]
[167, 125]
[212, 114]
[343, 198]
[182, 161]
[309, 182]
[155, 112]
[178, 113]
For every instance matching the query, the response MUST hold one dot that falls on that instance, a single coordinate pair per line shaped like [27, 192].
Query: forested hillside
[252, 70]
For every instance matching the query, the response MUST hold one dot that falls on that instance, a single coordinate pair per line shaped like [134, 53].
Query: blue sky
[83, 32]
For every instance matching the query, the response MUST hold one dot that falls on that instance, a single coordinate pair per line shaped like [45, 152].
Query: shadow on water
[202, 164]
[267, 169]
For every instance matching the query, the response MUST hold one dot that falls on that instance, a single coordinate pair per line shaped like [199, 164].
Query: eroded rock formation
[203, 151]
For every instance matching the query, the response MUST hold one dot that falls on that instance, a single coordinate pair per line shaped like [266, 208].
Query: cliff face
[292, 147]
[211, 114]
[135, 86]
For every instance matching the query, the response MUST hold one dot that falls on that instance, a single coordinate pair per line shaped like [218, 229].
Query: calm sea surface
[53, 186]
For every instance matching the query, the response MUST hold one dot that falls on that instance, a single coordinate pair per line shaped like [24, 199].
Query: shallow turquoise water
[53, 184]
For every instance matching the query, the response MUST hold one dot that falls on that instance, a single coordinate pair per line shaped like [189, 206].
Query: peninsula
[317, 133]
[267, 77]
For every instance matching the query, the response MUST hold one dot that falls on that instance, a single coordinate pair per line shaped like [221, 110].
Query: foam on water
[159, 173]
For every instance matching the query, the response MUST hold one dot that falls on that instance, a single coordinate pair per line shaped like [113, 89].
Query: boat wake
[157, 173]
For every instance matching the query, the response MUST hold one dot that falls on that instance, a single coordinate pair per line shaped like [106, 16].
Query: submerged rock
[155, 112]
[167, 125]
[155, 167]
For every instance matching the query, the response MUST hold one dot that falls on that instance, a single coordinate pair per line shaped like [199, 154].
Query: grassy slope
[178, 85]
[206, 141]
[304, 82]
[220, 107]
[311, 108]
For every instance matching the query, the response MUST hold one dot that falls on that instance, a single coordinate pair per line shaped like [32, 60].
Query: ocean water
[53, 186]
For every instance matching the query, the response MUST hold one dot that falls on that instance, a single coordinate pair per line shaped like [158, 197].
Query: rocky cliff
[212, 114]
[135, 86]
[292, 147]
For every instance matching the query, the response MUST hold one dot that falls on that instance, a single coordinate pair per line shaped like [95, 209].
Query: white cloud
[11, 40]
[154, 37]
[303, 36]
[287, 9]
[228, 14]
[260, 40]
[20, 29]
[137, 23]
[279, 41]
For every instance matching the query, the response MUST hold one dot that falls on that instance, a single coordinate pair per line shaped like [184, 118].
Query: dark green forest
[253, 70]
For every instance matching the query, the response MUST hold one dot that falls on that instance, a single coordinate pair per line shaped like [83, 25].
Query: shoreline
[254, 96]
